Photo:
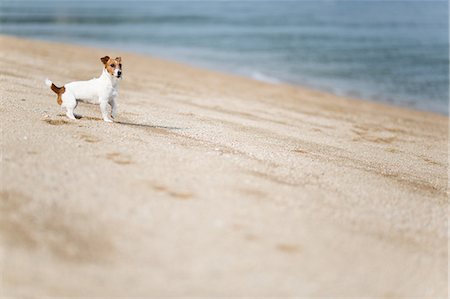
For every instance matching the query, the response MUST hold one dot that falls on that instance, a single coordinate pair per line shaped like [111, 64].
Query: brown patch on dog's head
[113, 66]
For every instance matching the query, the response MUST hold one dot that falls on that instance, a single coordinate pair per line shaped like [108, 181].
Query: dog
[102, 90]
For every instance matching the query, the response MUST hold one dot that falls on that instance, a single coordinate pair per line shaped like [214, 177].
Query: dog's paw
[70, 116]
[108, 120]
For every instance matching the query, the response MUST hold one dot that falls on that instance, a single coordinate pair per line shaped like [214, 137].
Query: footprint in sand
[373, 135]
[119, 158]
[89, 138]
[56, 122]
[178, 195]
[288, 248]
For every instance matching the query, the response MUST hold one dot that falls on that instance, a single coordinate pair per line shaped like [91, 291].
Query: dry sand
[213, 185]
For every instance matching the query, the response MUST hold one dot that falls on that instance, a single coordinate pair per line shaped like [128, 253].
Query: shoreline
[249, 77]
[210, 184]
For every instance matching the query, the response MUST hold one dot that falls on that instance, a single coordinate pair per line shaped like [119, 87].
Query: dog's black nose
[119, 73]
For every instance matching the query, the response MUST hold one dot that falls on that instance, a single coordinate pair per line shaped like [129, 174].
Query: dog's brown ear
[119, 59]
[104, 59]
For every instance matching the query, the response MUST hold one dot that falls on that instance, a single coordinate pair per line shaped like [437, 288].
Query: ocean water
[390, 51]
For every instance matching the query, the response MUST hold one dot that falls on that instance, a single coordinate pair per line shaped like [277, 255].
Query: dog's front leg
[104, 109]
[113, 104]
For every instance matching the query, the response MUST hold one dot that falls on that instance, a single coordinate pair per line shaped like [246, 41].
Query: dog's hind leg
[70, 103]
[69, 112]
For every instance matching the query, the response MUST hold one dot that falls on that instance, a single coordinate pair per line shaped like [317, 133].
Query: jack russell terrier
[102, 90]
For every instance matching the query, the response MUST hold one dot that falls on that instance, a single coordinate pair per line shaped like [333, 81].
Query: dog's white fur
[102, 90]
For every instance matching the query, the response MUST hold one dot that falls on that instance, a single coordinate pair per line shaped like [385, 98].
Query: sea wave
[264, 78]
[389, 51]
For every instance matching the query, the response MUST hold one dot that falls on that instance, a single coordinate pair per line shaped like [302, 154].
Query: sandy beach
[213, 185]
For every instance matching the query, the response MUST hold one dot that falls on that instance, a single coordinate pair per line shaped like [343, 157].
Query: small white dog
[102, 90]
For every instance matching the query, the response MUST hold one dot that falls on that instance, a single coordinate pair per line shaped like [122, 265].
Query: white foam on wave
[264, 78]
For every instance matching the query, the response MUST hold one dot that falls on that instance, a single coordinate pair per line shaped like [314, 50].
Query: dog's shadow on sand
[135, 124]
[147, 126]
[129, 123]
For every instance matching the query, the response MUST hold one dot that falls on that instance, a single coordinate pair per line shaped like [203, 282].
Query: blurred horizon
[389, 51]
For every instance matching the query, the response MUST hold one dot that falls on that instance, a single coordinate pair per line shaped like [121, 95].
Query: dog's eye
[112, 65]
[120, 65]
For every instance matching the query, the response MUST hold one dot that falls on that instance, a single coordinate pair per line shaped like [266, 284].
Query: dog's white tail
[58, 90]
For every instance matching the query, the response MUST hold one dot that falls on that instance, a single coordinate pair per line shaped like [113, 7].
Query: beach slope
[212, 185]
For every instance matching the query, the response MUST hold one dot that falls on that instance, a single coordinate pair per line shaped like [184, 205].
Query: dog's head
[113, 66]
